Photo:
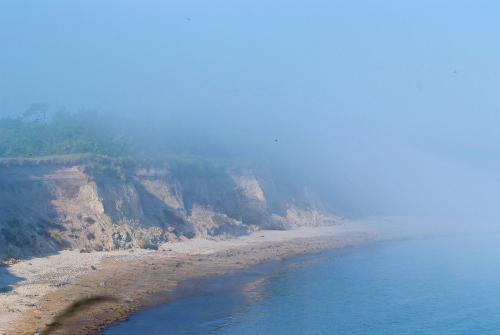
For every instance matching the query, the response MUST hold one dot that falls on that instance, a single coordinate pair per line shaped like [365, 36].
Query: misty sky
[394, 106]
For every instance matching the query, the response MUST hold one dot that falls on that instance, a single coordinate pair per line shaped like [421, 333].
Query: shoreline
[131, 280]
[246, 285]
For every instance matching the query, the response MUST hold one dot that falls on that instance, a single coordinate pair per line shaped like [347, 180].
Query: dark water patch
[75, 308]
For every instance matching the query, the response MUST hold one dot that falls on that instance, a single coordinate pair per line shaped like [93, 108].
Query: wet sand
[109, 286]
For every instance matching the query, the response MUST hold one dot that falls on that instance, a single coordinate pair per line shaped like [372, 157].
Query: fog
[385, 107]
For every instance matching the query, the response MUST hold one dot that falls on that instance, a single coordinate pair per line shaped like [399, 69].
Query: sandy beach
[37, 292]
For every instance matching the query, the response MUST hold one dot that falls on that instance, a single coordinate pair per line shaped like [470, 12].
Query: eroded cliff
[105, 205]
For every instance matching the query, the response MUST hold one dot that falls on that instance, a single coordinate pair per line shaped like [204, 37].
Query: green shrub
[56, 236]
[88, 220]
[13, 223]
[143, 242]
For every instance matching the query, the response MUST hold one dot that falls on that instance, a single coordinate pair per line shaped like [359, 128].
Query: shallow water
[435, 286]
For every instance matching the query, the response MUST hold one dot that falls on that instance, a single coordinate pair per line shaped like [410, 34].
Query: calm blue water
[435, 286]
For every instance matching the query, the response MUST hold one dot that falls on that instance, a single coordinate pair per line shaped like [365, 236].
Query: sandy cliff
[105, 205]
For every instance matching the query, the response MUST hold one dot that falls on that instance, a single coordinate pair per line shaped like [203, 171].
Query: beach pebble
[61, 284]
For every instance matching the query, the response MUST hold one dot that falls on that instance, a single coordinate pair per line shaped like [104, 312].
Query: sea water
[448, 285]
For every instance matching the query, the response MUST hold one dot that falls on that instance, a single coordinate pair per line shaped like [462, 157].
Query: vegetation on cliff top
[34, 134]
[37, 136]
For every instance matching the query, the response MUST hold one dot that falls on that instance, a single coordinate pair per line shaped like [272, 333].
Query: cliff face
[51, 206]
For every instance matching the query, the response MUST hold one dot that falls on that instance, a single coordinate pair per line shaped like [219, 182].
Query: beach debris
[13, 310]
[8, 261]
[102, 284]
[93, 267]
[38, 332]
[62, 284]
[50, 324]
[129, 300]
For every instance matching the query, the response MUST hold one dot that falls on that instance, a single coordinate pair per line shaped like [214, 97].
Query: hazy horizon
[387, 107]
